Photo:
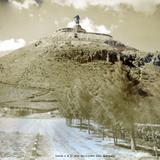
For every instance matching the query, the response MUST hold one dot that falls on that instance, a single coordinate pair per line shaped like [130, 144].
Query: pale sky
[135, 23]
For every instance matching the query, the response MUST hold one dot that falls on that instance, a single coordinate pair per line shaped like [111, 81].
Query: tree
[67, 105]
[120, 98]
[84, 102]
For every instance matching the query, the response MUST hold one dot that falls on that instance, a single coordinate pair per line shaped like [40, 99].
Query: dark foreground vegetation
[119, 104]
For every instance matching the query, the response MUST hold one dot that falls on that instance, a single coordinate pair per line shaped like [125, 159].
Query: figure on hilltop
[77, 19]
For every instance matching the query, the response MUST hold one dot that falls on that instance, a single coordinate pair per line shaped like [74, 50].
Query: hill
[32, 77]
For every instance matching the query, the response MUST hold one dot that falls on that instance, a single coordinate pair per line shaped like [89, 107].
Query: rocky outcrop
[118, 45]
[157, 60]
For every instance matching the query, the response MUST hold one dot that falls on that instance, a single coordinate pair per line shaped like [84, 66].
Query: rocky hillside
[44, 69]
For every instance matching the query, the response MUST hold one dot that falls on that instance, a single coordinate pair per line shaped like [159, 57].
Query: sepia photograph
[79, 79]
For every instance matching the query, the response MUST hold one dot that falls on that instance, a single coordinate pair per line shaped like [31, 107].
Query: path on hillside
[57, 141]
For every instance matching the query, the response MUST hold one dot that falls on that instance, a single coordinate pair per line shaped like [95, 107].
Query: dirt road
[52, 139]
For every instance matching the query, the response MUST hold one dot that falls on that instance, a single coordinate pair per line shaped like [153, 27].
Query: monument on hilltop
[77, 19]
[78, 27]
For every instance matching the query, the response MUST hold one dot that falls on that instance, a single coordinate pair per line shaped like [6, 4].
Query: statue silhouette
[77, 19]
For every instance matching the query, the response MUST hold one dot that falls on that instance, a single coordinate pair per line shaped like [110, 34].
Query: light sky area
[133, 22]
